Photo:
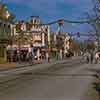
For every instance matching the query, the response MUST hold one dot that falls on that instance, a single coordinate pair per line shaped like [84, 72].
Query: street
[65, 81]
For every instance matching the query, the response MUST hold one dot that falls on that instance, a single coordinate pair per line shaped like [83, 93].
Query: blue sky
[50, 10]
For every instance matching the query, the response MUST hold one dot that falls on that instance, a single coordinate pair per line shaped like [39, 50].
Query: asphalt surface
[65, 81]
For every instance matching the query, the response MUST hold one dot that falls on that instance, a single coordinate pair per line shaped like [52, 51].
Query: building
[6, 31]
[60, 44]
[32, 34]
[39, 37]
[67, 43]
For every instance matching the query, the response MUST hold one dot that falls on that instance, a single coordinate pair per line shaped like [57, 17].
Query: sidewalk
[13, 65]
[16, 70]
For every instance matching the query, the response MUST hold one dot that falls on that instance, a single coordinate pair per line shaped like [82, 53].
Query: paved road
[58, 82]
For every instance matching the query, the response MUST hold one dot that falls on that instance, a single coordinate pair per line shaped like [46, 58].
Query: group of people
[19, 56]
[91, 56]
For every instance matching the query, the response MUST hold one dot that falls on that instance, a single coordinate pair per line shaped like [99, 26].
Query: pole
[12, 40]
[60, 48]
[58, 31]
[49, 43]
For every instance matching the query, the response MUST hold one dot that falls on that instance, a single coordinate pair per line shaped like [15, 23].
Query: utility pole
[60, 23]
[49, 45]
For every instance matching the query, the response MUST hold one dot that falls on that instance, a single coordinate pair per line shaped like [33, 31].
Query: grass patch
[90, 94]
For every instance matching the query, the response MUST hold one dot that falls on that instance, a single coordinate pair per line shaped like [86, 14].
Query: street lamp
[60, 23]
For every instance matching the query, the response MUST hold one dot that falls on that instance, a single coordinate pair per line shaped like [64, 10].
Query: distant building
[60, 43]
[6, 31]
[32, 33]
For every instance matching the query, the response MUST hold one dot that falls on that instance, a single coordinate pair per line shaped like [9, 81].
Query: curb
[11, 74]
[28, 65]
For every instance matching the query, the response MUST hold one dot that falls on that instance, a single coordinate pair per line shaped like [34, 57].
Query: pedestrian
[18, 56]
[8, 56]
[49, 59]
[91, 56]
[47, 56]
[87, 56]
[96, 58]
[31, 58]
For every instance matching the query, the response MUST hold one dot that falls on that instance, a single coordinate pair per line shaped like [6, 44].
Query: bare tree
[94, 18]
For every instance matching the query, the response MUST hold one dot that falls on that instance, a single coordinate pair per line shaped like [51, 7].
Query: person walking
[87, 57]
[8, 56]
[30, 58]
[97, 57]
[91, 56]
[30, 54]
[47, 57]
[18, 56]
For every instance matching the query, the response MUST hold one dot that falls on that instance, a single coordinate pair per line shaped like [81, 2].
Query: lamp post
[60, 24]
[49, 44]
